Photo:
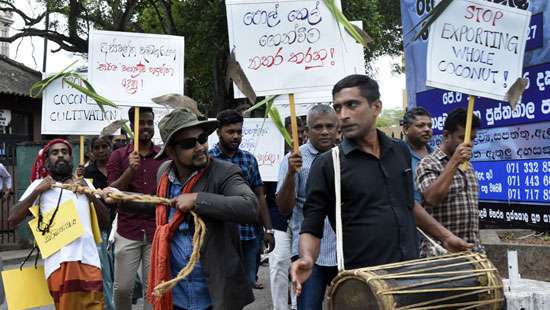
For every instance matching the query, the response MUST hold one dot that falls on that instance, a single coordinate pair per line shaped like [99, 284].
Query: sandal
[258, 286]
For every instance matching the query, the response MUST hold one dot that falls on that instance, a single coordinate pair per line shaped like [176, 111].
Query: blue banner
[534, 106]
[513, 163]
[412, 11]
[526, 181]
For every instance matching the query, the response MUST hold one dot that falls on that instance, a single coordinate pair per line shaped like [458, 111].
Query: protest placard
[67, 111]
[286, 46]
[477, 47]
[132, 68]
[263, 140]
[355, 64]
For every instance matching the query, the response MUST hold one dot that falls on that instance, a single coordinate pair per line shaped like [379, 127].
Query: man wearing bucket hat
[215, 191]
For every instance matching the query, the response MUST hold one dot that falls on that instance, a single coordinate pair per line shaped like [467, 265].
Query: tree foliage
[390, 118]
[202, 22]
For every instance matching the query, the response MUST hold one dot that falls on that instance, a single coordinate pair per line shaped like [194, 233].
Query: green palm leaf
[357, 33]
[38, 88]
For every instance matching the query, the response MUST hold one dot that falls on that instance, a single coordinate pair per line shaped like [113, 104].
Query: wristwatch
[269, 231]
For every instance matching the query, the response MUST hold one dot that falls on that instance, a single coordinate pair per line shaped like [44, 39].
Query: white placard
[286, 46]
[67, 111]
[355, 63]
[263, 140]
[476, 47]
[131, 68]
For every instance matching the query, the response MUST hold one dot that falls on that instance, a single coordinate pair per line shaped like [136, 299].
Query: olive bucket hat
[180, 119]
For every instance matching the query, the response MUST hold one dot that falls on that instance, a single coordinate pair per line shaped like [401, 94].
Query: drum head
[353, 294]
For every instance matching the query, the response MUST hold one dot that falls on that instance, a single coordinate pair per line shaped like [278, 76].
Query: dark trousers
[313, 290]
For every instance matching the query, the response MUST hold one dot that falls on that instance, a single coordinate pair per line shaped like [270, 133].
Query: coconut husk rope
[198, 235]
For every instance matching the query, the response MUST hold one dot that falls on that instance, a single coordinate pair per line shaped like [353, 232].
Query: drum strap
[338, 199]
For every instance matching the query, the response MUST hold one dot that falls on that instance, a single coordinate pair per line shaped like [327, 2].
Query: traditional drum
[464, 280]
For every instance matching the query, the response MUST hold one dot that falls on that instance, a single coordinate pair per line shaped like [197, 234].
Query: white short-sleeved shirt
[82, 249]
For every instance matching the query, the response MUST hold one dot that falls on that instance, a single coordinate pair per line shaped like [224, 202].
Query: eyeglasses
[190, 143]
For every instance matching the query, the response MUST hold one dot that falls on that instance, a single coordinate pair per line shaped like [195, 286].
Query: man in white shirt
[73, 271]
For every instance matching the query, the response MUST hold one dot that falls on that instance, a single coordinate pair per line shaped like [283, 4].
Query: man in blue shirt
[322, 130]
[230, 131]
[417, 127]
[216, 191]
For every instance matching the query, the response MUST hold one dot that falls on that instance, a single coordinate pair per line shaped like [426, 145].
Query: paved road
[262, 302]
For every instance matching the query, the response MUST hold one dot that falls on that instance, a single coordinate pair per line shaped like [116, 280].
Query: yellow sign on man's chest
[66, 227]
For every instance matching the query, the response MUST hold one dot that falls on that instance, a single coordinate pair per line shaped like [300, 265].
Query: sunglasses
[190, 143]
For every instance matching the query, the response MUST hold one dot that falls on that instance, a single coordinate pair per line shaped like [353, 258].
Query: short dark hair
[131, 112]
[106, 139]
[299, 121]
[228, 117]
[367, 86]
[410, 115]
[457, 118]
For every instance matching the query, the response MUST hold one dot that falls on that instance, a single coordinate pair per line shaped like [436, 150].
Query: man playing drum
[378, 208]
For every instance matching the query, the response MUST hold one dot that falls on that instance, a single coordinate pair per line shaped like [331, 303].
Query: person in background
[279, 259]
[96, 171]
[134, 171]
[450, 191]
[417, 127]
[322, 130]
[6, 183]
[230, 131]
[119, 141]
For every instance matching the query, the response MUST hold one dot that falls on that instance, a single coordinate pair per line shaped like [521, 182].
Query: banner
[476, 47]
[287, 46]
[131, 68]
[508, 138]
[534, 106]
[412, 11]
[67, 111]
[263, 140]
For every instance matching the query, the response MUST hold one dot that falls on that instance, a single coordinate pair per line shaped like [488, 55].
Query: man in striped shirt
[322, 129]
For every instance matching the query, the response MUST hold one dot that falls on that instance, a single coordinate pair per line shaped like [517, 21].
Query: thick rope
[198, 235]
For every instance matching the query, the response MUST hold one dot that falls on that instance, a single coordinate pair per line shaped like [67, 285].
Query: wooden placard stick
[293, 123]
[81, 150]
[468, 129]
[136, 129]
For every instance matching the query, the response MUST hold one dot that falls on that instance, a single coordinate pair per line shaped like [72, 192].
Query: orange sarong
[76, 286]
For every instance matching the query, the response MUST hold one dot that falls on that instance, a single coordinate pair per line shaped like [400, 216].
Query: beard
[61, 170]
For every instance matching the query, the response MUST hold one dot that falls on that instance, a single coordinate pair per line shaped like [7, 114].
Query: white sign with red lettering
[131, 68]
[476, 47]
[286, 46]
[263, 140]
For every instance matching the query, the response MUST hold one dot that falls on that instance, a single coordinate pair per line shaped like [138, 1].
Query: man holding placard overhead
[378, 209]
[65, 230]
[133, 171]
[449, 190]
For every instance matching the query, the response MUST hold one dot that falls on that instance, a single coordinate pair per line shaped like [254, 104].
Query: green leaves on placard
[428, 20]
[276, 117]
[273, 113]
[38, 88]
[357, 33]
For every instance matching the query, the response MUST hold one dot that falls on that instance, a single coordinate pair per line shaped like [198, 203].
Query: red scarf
[38, 168]
[160, 250]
